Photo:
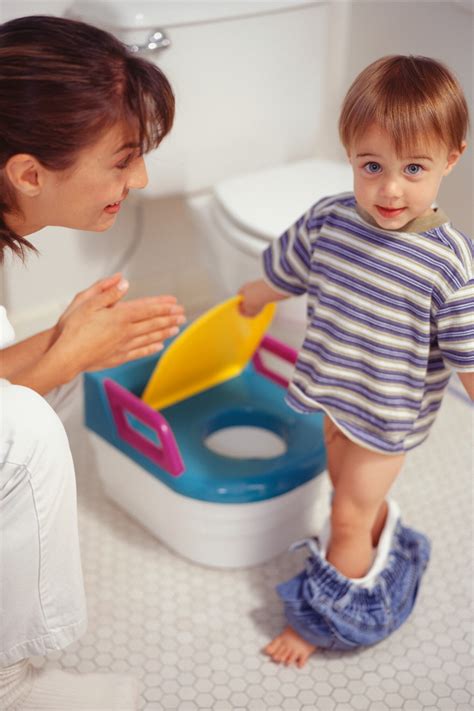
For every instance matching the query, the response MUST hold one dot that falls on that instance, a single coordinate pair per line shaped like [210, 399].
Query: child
[390, 312]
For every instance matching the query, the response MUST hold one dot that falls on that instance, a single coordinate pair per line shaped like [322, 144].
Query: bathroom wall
[170, 257]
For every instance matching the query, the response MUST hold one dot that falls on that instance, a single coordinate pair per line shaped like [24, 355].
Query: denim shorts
[333, 612]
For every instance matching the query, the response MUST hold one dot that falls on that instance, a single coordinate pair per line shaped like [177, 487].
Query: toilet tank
[251, 81]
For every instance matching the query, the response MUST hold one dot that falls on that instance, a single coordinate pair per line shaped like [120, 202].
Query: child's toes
[290, 657]
[272, 647]
[281, 653]
[301, 659]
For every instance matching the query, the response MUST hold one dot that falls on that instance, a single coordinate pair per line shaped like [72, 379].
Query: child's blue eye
[372, 167]
[413, 169]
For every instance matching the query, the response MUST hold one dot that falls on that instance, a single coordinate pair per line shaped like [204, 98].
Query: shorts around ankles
[333, 612]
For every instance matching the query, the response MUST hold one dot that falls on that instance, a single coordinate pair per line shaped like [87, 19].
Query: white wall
[71, 261]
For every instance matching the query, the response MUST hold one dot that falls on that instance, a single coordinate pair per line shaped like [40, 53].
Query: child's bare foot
[289, 648]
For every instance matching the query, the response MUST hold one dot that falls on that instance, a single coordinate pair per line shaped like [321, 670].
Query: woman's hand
[98, 330]
[255, 295]
[97, 288]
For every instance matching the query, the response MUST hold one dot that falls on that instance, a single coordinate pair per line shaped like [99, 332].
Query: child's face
[394, 189]
[88, 195]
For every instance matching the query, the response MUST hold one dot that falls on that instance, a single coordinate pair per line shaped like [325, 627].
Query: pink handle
[121, 401]
[272, 345]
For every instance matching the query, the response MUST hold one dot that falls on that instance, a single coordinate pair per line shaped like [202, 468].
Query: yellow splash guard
[214, 348]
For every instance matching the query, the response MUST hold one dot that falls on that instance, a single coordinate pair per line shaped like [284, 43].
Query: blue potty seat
[250, 399]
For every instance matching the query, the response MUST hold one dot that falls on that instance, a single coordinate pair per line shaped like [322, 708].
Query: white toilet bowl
[249, 211]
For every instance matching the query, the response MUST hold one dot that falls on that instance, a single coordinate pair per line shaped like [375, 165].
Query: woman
[77, 113]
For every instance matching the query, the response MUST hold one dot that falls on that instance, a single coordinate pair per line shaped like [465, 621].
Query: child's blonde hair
[414, 99]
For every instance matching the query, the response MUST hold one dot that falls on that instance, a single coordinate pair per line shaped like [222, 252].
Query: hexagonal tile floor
[193, 635]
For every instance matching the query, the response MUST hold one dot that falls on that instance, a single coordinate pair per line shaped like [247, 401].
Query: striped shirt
[390, 315]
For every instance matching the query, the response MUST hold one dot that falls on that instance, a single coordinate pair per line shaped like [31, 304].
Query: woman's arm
[25, 353]
[96, 331]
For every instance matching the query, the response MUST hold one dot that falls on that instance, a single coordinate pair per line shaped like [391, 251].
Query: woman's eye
[124, 164]
[126, 161]
[372, 167]
[413, 169]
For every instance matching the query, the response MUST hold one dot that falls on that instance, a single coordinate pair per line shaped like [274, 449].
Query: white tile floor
[193, 635]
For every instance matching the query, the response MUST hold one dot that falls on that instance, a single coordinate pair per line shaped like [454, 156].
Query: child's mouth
[390, 211]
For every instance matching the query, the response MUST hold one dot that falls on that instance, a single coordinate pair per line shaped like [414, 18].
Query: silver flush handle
[157, 41]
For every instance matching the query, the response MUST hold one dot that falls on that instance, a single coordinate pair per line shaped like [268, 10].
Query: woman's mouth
[113, 208]
[390, 211]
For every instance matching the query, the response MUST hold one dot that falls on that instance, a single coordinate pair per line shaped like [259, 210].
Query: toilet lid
[264, 204]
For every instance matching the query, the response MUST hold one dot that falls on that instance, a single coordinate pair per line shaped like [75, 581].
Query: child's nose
[391, 187]
[138, 177]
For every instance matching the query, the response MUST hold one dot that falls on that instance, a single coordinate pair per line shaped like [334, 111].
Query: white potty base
[213, 534]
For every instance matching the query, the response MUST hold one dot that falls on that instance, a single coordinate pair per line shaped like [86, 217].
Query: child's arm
[467, 379]
[256, 294]
[286, 265]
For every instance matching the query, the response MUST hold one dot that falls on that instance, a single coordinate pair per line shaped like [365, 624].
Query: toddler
[390, 311]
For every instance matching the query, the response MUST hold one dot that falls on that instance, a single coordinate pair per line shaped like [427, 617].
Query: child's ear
[453, 158]
[24, 173]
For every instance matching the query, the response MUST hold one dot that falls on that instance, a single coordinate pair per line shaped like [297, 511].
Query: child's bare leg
[379, 524]
[363, 481]
[289, 647]
[336, 444]
[343, 458]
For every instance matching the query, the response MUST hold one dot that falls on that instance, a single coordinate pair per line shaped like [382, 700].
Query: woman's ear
[25, 174]
[453, 157]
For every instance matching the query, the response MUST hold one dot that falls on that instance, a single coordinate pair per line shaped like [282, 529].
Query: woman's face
[88, 195]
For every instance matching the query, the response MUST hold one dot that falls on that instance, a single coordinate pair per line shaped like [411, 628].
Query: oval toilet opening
[246, 442]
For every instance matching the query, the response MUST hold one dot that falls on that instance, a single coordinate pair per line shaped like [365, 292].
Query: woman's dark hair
[62, 84]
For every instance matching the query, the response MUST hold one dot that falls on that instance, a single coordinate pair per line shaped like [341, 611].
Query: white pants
[42, 604]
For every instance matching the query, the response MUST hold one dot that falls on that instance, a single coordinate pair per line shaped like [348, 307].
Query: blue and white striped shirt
[390, 315]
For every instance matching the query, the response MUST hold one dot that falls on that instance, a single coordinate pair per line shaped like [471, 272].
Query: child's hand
[255, 295]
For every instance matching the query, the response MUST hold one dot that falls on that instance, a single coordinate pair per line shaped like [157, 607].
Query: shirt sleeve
[455, 323]
[286, 262]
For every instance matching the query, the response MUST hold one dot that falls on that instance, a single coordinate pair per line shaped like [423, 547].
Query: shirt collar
[418, 224]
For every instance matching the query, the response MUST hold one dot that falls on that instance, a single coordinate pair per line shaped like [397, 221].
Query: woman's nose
[138, 178]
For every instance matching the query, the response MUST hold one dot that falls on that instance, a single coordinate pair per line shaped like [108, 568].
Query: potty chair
[153, 424]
